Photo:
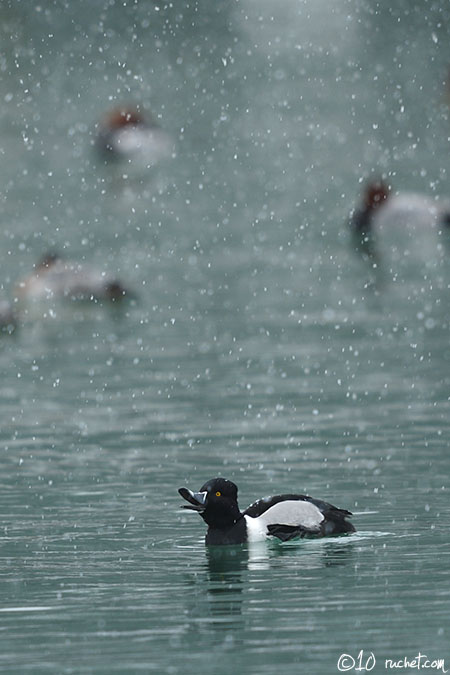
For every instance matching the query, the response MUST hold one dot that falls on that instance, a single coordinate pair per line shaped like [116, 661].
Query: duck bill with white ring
[197, 500]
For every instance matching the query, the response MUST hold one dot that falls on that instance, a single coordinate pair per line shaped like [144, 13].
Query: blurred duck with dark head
[402, 225]
[127, 133]
[56, 278]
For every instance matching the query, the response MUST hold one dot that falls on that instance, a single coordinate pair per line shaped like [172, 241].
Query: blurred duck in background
[128, 134]
[56, 278]
[399, 226]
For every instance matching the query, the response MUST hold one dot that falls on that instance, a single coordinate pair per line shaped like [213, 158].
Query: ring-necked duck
[55, 278]
[283, 516]
[126, 133]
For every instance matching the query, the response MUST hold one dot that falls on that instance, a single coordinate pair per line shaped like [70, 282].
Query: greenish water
[261, 347]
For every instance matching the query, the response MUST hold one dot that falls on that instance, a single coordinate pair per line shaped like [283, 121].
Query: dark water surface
[260, 348]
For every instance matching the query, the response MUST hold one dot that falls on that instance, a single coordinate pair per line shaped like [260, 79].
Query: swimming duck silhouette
[283, 516]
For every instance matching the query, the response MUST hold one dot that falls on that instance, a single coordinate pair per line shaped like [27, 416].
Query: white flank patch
[295, 513]
[256, 530]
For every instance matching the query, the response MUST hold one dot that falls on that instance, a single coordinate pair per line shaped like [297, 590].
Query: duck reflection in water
[226, 578]
[262, 555]
[231, 569]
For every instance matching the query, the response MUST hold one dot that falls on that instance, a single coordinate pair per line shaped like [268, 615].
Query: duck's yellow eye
[218, 494]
